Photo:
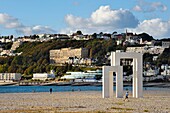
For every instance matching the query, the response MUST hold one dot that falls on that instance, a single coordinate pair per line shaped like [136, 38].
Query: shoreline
[147, 84]
[83, 102]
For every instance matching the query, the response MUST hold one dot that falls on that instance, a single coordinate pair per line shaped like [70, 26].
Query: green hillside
[35, 55]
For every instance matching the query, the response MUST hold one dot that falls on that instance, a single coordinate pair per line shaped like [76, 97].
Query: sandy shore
[87, 102]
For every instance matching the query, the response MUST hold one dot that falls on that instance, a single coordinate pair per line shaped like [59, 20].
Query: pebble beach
[83, 102]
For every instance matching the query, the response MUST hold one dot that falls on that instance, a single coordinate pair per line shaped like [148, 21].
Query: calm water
[26, 89]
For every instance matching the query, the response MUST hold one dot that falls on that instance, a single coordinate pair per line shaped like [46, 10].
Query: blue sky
[27, 17]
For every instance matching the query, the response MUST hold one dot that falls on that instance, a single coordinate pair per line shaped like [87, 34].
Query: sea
[30, 89]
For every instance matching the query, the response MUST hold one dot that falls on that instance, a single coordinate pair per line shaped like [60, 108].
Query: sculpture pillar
[115, 67]
[108, 81]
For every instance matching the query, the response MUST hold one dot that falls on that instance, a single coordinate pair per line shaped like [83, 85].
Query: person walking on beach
[126, 96]
[51, 90]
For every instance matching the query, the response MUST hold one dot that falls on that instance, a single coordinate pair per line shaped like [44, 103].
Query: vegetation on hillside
[35, 55]
[164, 58]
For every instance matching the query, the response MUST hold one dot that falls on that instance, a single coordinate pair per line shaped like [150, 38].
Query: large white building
[10, 77]
[43, 76]
[61, 56]
[82, 75]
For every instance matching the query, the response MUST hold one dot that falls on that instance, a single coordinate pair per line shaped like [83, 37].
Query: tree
[145, 37]
[79, 32]
[114, 33]
[94, 35]
[11, 37]
[101, 33]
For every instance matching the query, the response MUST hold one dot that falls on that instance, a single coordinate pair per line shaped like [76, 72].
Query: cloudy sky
[27, 17]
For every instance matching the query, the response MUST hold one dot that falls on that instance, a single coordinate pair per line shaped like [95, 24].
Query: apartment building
[61, 56]
[10, 76]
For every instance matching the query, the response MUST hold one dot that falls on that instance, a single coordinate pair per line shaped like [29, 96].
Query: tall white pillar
[107, 82]
[134, 77]
[115, 61]
[107, 90]
[139, 79]
[119, 82]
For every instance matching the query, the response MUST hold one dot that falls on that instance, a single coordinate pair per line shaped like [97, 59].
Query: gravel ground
[83, 101]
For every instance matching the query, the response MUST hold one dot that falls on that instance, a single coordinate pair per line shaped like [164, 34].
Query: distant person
[51, 90]
[126, 96]
[72, 90]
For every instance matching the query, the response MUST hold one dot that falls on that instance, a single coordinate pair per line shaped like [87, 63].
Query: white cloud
[103, 19]
[34, 30]
[76, 22]
[155, 27]
[8, 21]
[144, 6]
[117, 18]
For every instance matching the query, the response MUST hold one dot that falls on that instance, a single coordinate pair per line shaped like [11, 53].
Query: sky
[28, 17]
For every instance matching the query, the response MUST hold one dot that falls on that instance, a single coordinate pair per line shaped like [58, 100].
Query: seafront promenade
[83, 102]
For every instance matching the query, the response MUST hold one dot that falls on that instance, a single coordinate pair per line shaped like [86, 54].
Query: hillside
[35, 55]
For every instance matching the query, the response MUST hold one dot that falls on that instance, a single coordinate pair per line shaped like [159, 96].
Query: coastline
[83, 102]
[146, 84]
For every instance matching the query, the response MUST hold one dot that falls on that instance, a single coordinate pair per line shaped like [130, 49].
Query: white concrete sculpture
[108, 81]
[115, 67]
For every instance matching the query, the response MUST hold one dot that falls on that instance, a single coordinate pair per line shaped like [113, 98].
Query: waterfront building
[10, 77]
[44, 76]
[87, 76]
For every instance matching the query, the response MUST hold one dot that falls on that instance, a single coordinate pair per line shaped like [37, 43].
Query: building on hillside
[166, 44]
[155, 58]
[132, 39]
[6, 77]
[103, 36]
[5, 40]
[165, 69]
[61, 37]
[151, 72]
[6, 53]
[44, 76]
[43, 35]
[146, 49]
[25, 39]
[119, 39]
[62, 56]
